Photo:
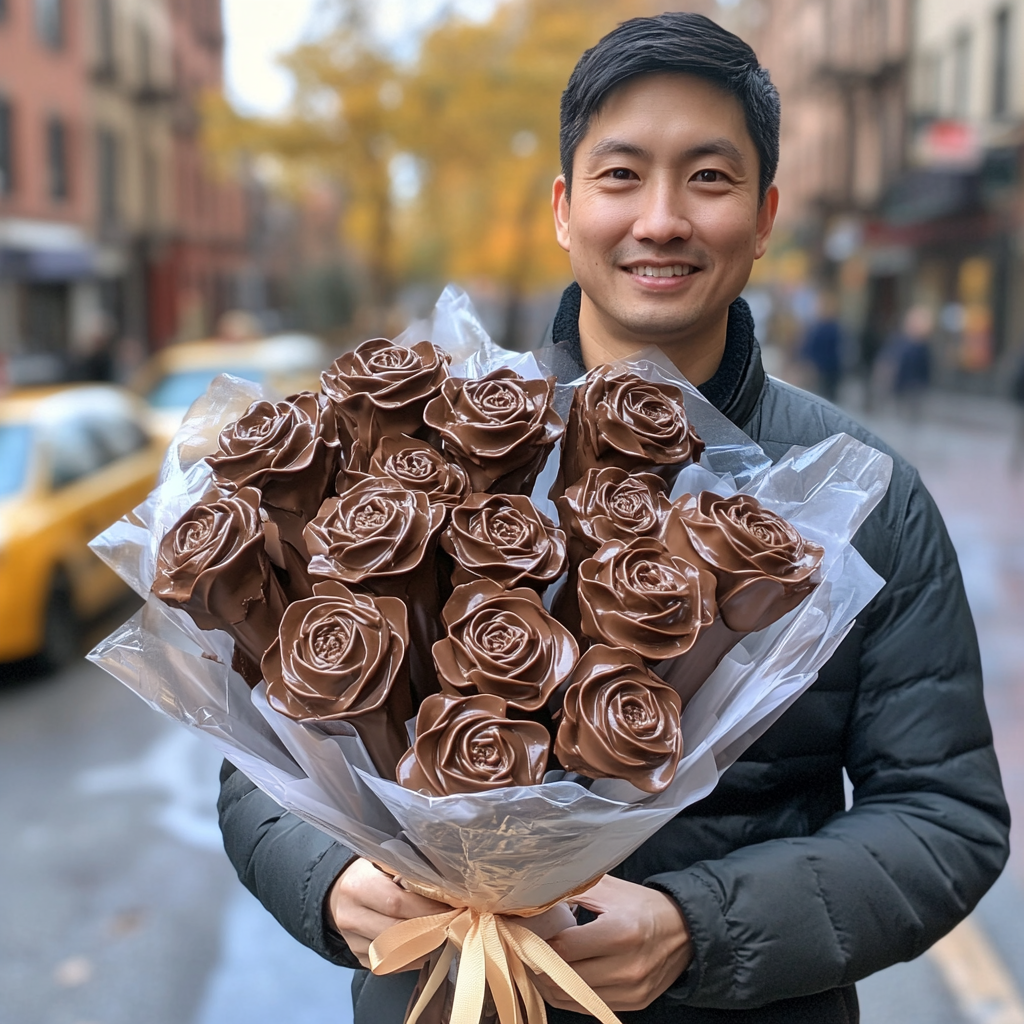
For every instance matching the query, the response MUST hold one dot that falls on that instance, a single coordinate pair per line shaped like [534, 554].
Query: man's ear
[765, 219]
[560, 208]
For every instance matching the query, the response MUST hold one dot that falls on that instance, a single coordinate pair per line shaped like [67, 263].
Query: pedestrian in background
[822, 347]
[904, 366]
[1017, 394]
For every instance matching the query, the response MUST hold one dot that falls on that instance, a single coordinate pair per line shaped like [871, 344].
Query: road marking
[981, 984]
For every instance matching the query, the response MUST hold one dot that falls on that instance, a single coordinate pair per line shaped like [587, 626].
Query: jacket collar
[734, 389]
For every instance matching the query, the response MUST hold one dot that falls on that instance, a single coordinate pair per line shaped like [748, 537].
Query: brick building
[111, 218]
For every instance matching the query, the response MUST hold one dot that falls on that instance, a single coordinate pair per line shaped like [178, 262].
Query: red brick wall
[39, 83]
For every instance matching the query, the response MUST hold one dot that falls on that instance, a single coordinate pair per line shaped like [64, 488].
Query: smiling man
[765, 902]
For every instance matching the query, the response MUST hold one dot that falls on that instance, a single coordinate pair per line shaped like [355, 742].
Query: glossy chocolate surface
[619, 721]
[468, 745]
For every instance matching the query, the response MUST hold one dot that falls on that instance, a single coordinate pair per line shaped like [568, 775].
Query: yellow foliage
[477, 111]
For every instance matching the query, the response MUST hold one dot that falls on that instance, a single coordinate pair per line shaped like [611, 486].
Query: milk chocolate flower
[381, 389]
[619, 721]
[420, 467]
[504, 643]
[339, 656]
[640, 596]
[376, 528]
[612, 504]
[763, 566]
[502, 537]
[467, 745]
[499, 428]
[288, 450]
[213, 564]
[619, 419]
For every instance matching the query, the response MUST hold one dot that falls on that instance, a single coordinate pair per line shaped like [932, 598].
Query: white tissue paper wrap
[520, 848]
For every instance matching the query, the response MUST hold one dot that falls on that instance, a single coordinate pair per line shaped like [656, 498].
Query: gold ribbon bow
[494, 953]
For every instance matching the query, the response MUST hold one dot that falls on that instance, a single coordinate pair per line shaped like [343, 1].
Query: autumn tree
[474, 115]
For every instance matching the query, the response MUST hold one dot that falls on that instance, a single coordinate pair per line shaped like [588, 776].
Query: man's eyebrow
[717, 147]
[618, 147]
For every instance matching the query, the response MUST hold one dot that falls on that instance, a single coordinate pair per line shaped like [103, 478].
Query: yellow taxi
[177, 375]
[73, 459]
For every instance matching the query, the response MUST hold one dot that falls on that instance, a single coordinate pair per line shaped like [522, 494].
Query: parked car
[177, 375]
[73, 459]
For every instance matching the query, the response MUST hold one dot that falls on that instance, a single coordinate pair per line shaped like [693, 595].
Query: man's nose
[662, 216]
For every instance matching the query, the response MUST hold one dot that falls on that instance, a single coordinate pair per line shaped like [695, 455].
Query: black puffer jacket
[790, 898]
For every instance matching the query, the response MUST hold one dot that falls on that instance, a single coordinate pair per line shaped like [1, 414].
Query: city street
[119, 906]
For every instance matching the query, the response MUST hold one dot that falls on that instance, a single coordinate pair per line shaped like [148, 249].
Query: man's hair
[680, 43]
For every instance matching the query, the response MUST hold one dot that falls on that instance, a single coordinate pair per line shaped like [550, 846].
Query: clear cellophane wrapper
[520, 848]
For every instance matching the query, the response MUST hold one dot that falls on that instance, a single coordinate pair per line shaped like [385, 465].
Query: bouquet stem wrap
[494, 953]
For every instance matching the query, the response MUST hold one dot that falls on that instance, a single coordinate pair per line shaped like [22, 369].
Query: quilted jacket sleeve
[927, 833]
[286, 863]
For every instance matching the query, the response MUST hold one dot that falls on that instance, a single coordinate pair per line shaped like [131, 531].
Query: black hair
[682, 43]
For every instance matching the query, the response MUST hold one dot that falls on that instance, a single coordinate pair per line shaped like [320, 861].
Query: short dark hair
[677, 42]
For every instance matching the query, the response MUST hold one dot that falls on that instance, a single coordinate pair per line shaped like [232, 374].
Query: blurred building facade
[112, 222]
[900, 169]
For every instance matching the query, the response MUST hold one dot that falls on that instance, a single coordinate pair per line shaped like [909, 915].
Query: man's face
[664, 222]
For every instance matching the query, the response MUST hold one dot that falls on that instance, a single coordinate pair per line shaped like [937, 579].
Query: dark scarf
[721, 390]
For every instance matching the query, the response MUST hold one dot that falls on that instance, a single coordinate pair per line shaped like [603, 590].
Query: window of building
[50, 22]
[6, 148]
[962, 75]
[105, 50]
[1001, 63]
[107, 158]
[57, 158]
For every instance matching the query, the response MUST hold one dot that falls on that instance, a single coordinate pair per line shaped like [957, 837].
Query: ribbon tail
[408, 941]
[539, 956]
[437, 977]
[536, 1011]
[499, 976]
[471, 981]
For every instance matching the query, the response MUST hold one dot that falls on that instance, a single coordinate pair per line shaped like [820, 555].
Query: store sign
[948, 143]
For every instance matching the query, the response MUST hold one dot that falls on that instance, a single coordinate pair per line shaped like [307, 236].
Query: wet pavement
[119, 907]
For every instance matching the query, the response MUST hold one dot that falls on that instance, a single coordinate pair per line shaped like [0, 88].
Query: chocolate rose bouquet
[488, 630]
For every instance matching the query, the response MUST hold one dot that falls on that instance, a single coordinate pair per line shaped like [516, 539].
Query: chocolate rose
[381, 389]
[619, 419]
[418, 466]
[763, 566]
[612, 504]
[288, 450]
[499, 428]
[503, 642]
[502, 537]
[619, 721]
[376, 528]
[213, 564]
[339, 657]
[467, 745]
[640, 596]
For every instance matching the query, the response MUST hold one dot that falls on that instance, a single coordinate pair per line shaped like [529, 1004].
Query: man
[768, 900]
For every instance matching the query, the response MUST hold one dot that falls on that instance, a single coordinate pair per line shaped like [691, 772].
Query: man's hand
[637, 948]
[363, 902]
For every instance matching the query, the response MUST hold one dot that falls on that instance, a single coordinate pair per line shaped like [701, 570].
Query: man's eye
[709, 177]
[621, 174]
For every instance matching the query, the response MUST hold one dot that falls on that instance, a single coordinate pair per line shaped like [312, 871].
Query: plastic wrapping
[517, 848]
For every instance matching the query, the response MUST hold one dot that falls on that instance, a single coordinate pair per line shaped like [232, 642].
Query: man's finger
[586, 941]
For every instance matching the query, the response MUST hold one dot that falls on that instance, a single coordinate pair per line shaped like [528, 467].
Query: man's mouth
[676, 270]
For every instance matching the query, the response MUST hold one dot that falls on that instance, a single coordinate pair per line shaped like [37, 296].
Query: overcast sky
[258, 30]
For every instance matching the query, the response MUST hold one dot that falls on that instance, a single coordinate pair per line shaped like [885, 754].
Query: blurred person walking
[904, 366]
[822, 347]
[1017, 394]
